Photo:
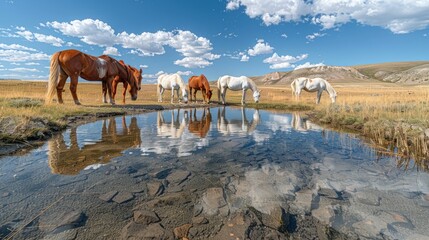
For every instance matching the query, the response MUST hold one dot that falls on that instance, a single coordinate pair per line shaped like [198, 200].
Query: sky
[212, 37]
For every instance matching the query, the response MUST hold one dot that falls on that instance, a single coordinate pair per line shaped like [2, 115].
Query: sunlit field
[387, 113]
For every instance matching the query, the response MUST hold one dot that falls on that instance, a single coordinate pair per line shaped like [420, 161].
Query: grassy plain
[395, 117]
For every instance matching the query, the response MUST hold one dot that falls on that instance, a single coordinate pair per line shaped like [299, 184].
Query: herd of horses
[74, 64]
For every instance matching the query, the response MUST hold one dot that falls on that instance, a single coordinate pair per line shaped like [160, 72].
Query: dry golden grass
[387, 113]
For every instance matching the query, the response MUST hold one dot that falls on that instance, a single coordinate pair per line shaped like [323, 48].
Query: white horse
[171, 82]
[313, 85]
[236, 84]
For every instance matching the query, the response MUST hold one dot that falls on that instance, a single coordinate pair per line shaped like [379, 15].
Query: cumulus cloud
[313, 36]
[16, 47]
[111, 51]
[261, 47]
[244, 58]
[196, 50]
[185, 73]
[399, 16]
[193, 62]
[23, 69]
[57, 42]
[11, 55]
[308, 65]
[277, 62]
[93, 32]
[143, 66]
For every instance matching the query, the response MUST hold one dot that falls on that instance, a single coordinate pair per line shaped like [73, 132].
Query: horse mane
[330, 89]
[252, 84]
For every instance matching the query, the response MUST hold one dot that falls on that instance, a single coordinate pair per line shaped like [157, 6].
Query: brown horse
[200, 127]
[200, 83]
[73, 63]
[137, 76]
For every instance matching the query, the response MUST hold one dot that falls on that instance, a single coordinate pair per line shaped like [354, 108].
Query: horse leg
[319, 94]
[161, 91]
[172, 95]
[124, 92]
[60, 86]
[243, 97]
[203, 92]
[109, 89]
[190, 94]
[114, 86]
[223, 94]
[104, 87]
[73, 88]
[195, 94]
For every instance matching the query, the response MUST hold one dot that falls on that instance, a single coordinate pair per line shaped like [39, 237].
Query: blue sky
[213, 37]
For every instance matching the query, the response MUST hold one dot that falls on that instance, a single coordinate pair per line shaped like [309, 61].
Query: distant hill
[396, 72]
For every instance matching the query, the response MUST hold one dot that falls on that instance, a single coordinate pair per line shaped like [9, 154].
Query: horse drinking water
[236, 84]
[313, 85]
[137, 74]
[200, 83]
[74, 64]
[171, 82]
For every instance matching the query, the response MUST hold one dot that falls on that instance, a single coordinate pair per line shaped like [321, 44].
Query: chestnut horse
[200, 83]
[200, 127]
[74, 64]
[119, 79]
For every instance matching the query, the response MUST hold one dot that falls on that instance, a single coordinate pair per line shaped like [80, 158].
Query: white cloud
[21, 70]
[143, 66]
[26, 34]
[193, 62]
[313, 36]
[186, 73]
[261, 47]
[277, 62]
[111, 51]
[57, 42]
[399, 16]
[284, 35]
[244, 58]
[93, 32]
[308, 65]
[16, 47]
[32, 64]
[9, 55]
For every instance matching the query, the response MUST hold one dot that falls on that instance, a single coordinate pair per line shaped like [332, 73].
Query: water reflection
[239, 125]
[212, 164]
[71, 158]
[200, 127]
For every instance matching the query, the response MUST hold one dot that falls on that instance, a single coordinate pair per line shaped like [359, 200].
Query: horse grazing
[236, 84]
[171, 82]
[313, 85]
[73, 63]
[200, 83]
[137, 76]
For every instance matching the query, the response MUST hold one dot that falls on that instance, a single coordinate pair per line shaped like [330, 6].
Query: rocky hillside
[399, 72]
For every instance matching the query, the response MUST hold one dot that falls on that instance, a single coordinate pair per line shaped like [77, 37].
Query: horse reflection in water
[237, 126]
[70, 160]
[200, 127]
[173, 129]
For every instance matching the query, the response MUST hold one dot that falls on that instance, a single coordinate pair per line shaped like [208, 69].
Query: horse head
[209, 95]
[184, 95]
[135, 81]
[256, 95]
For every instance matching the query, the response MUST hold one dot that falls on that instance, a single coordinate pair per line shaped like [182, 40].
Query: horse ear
[141, 70]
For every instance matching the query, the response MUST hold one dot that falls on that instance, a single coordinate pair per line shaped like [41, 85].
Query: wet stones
[367, 198]
[123, 197]
[177, 177]
[213, 202]
[63, 222]
[155, 188]
[107, 197]
[182, 232]
[135, 230]
[145, 217]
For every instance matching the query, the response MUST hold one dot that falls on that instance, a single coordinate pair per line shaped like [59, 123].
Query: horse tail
[54, 73]
[292, 86]
[158, 87]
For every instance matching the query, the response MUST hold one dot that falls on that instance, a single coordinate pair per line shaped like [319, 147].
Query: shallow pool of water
[215, 173]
